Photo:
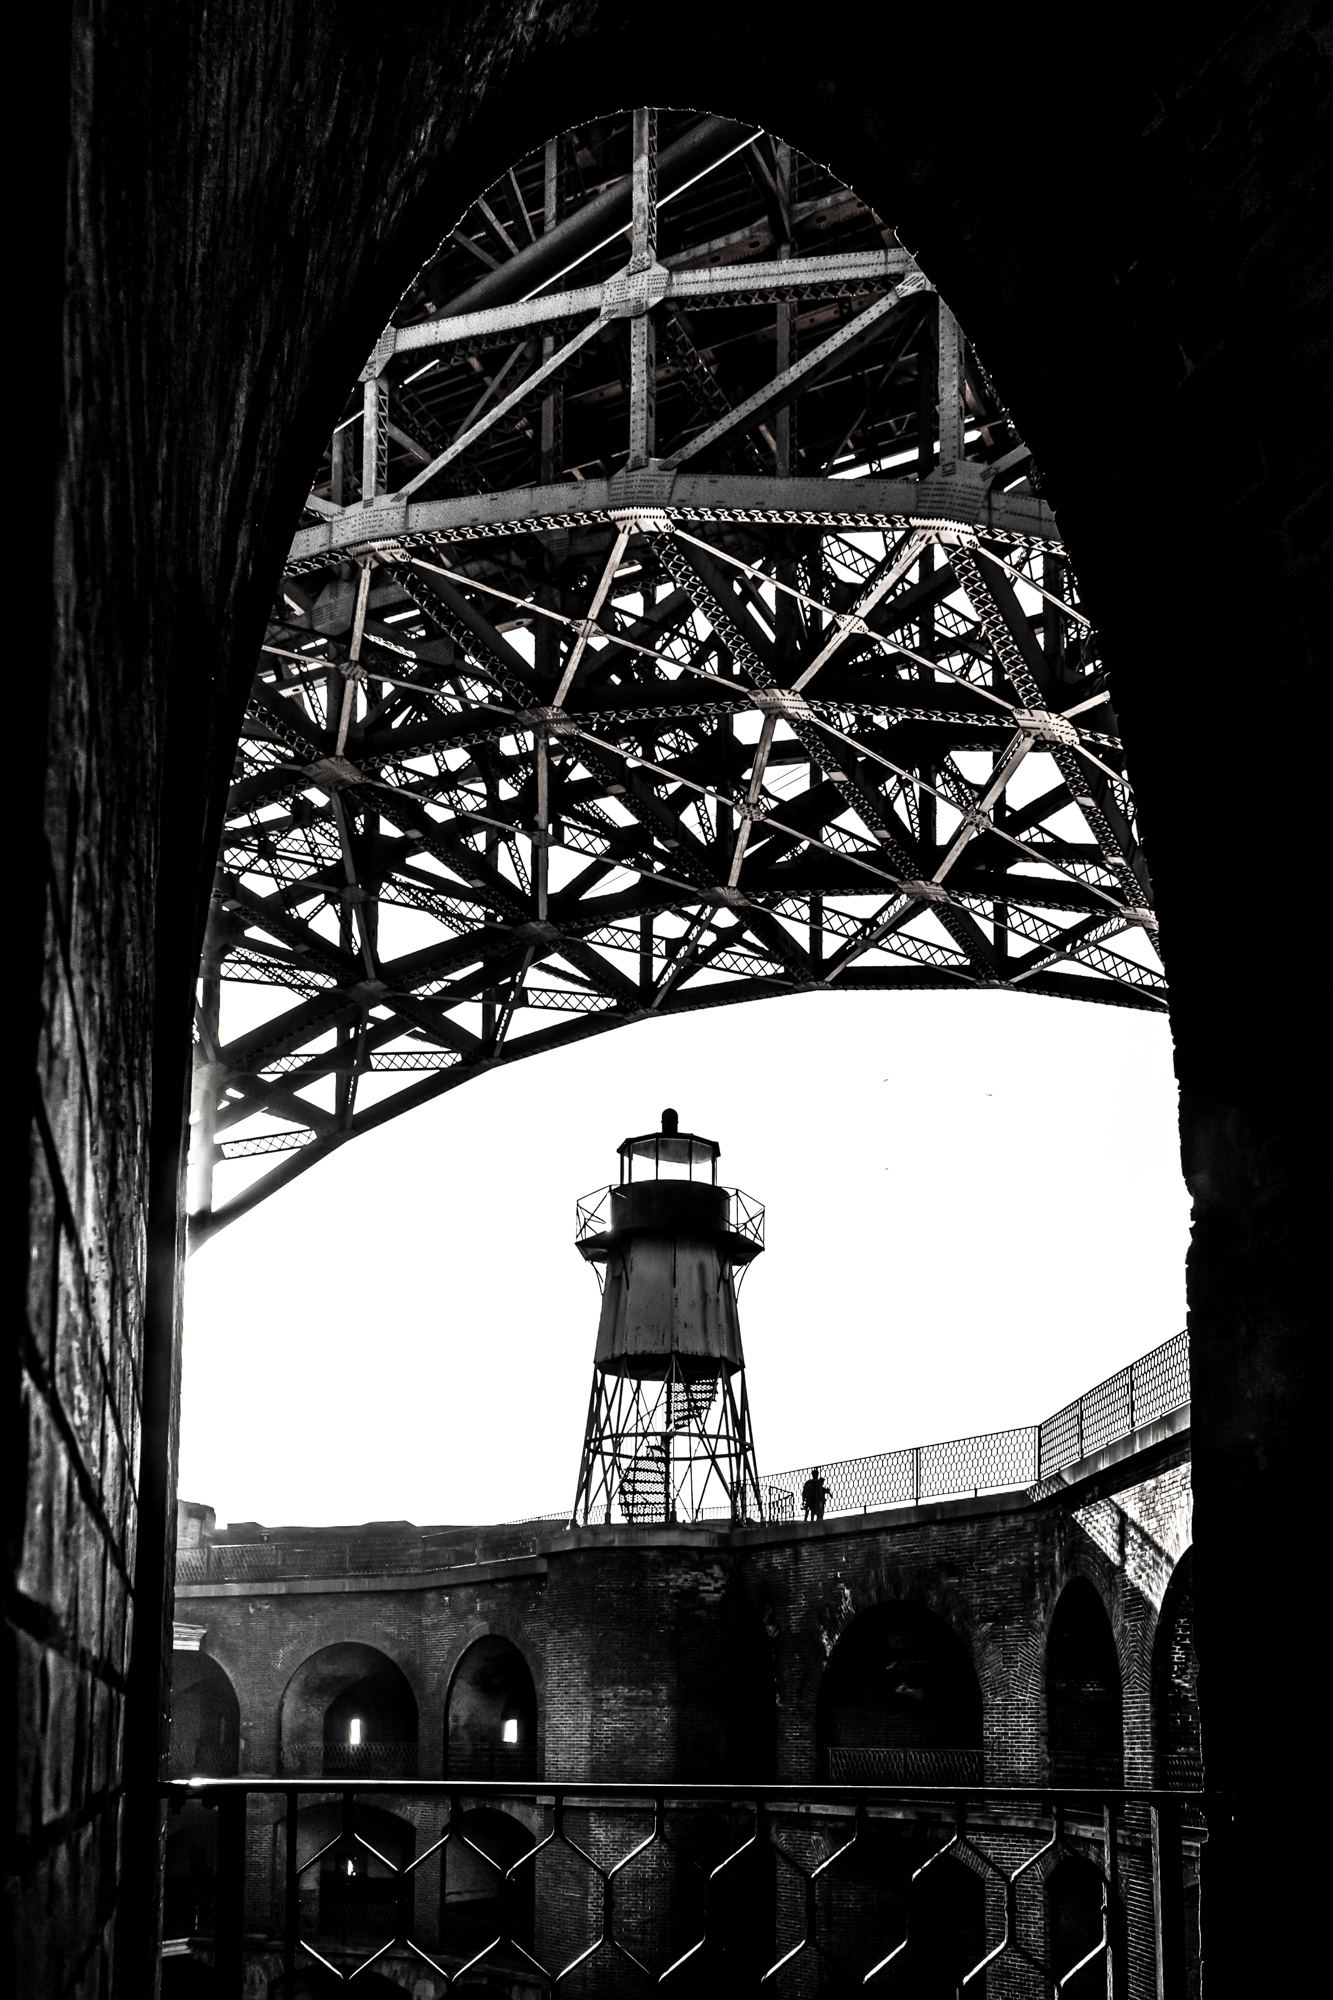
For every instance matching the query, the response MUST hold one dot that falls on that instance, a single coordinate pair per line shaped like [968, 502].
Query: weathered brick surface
[79, 1437]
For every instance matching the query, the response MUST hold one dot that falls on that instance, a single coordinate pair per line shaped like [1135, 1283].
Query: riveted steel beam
[620, 735]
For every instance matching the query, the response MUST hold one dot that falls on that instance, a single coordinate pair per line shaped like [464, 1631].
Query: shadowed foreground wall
[1132, 235]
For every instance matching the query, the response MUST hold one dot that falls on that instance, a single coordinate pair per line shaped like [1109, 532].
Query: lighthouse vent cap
[668, 1155]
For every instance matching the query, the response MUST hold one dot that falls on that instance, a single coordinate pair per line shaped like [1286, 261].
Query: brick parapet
[636, 1637]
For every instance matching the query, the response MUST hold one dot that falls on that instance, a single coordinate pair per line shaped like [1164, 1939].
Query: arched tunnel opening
[357, 1887]
[486, 1893]
[205, 1719]
[637, 654]
[348, 1711]
[1080, 1917]
[1176, 1683]
[1083, 1693]
[900, 1703]
[122, 668]
[490, 1726]
[890, 1895]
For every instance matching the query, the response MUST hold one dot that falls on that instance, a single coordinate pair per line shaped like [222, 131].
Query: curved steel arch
[674, 621]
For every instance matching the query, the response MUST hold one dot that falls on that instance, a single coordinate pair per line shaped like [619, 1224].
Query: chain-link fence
[994, 1461]
[315, 1756]
[886, 1765]
[1150, 1387]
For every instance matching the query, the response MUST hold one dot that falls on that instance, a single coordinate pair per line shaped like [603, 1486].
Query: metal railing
[593, 1214]
[314, 1757]
[1156, 1383]
[515, 1763]
[697, 1889]
[992, 1462]
[203, 1760]
[885, 1764]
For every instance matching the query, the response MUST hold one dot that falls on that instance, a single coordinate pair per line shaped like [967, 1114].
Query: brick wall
[80, 1351]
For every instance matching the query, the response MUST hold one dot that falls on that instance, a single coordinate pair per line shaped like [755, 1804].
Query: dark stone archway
[726, 1697]
[231, 200]
[354, 1896]
[900, 1703]
[1175, 1683]
[1084, 1703]
[348, 1711]
[885, 1891]
[205, 1719]
[479, 1898]
[1075, 1925]
[491, 1727]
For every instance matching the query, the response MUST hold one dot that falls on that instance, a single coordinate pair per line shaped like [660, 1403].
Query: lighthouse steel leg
[653, 1449]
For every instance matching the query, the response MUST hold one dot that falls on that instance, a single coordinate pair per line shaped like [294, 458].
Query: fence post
[916, 1475]
[291, 1919]
[1168, 1902]
[229, 1911]
[1131, 1395]
[1117, 1967]
[1080, 1427]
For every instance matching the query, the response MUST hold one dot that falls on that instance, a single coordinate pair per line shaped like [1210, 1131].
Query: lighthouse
[668, 1436]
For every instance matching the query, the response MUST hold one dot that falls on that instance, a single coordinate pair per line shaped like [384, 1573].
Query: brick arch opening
[491, 1714]
[1084, 1701]
[484, 1893]
[1175, 1683]
[899, 1702]
[348, 1711]
[1075, 1897]
[726, 1697]
[881, 1893]
[356, 1892]
[205, 1719]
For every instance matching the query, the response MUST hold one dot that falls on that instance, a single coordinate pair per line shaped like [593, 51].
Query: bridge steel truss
[675, 620]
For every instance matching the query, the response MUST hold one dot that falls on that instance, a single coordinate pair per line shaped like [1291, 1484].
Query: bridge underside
[675, 620]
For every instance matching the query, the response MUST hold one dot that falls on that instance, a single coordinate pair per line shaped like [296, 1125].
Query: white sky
[974, 1204]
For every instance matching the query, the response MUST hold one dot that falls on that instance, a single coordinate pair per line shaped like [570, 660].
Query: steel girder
[675, 620]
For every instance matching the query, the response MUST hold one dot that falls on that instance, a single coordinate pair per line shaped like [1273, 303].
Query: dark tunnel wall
[1127, 225]
[1084, 1701]
[899, 1683]
[205, 1719]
